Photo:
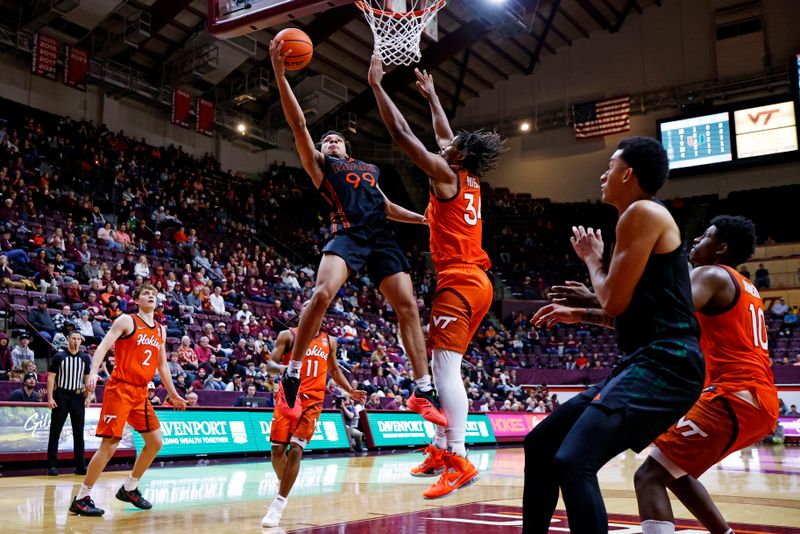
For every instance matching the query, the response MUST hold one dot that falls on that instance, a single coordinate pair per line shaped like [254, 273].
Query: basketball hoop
[398, 33]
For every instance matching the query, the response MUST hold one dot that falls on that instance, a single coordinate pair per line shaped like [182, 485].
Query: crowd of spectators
[87, 215]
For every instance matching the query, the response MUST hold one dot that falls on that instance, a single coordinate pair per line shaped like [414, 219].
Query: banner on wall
[181, 106]
[791, 426]
[27, 429]
[76, 67]
[204, 117]
[202, 432]
[390, 429]
[514, 424]
[44, 50]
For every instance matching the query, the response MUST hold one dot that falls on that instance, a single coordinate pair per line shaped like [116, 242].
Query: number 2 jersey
[136, 355]
[314, 373]
[734, 343]
[350, 187]
[456, 226]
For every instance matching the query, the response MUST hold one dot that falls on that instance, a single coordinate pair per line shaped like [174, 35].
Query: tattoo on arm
[598, 317]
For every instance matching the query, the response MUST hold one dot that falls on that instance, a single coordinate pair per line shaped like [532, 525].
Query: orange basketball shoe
[426, 403]
[432, 465]
[458, 473]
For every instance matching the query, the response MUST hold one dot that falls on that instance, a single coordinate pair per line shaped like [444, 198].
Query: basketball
[301, 46]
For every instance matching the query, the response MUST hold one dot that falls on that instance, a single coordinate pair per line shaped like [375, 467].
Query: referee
[67, 394]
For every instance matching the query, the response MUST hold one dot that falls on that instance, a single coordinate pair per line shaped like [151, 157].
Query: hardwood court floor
[756, 488]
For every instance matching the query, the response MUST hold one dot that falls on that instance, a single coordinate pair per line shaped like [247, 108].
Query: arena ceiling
[481, 43]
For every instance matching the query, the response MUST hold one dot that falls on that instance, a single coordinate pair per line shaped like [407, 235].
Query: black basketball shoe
[134, 497]
[85, 507]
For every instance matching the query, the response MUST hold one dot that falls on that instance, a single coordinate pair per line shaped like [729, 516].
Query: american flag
[594, 119]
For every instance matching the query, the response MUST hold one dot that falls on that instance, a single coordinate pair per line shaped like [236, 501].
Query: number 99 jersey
[350, 187]
[456, 226]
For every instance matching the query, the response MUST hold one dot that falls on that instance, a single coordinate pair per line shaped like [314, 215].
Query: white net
[397, 33]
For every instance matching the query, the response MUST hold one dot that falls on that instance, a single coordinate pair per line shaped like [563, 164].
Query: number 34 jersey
[137, 353]
[314, 373]
[456, 225]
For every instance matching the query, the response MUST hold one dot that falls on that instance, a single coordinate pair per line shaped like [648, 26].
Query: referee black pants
[69, 403]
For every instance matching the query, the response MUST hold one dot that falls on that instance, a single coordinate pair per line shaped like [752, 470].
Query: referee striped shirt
[70, 369]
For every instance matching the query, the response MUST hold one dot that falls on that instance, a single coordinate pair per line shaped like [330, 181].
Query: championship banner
[76, 67]
[389, 429]
[203, 432]
[181, 106]
[510, 425]
[27, 429]
[45, 55]
[204, 117]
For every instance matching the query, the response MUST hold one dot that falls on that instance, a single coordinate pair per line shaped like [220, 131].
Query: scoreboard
[697, 140]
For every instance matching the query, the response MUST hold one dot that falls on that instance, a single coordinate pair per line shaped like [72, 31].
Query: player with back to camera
[139, 349]
[739, 403]
[463, 290]
[296, 432]
[647, 292]
[359, 237]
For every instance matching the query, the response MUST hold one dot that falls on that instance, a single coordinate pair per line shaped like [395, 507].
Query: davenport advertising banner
[76, 67]
[509, 425]
[181, 106]
[202, 432]
[390, 429]
[27, 429]
[204, 117]
[45, 55]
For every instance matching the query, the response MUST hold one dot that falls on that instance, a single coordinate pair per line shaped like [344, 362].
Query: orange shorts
[125, 403]
[463, 297]
[716, 426]
[281, 431]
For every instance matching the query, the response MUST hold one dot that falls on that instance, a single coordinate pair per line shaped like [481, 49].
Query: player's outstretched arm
[573, 294]
[283, 344]
[122, 326]
[638, 230]
[433, 165]
[166, 377]
[552, 314]
[339, 378]
[398, 213]
[310, 157]
[441, 126]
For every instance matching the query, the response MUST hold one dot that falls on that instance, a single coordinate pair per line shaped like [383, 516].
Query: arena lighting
[524, 127]
[241, 128]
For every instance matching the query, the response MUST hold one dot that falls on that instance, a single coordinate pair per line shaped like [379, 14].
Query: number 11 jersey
[314, 372]
[456, 226]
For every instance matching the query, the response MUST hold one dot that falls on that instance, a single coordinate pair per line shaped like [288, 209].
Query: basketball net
[397, 32]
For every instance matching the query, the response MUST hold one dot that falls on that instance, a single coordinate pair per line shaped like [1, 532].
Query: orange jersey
[456, 225]
[734, 343]
[314, 373]
[137, 353]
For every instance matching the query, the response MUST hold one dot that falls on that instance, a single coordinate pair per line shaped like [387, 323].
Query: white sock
[458, 448]
[83, 492]
[294, 368]
[440, 439]
[131, 484]
[651, 526]
[730, 531]
[280, 502]
[452, 395]
[424, 383]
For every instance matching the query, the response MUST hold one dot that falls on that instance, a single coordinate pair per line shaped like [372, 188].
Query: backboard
[230, 18]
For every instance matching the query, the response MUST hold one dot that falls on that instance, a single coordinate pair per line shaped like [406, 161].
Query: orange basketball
[301, 46]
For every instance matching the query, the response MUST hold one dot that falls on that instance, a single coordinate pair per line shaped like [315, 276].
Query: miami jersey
[456, 225]
[350, 187]
[314, 373]
[137, 353]
[734, 342]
